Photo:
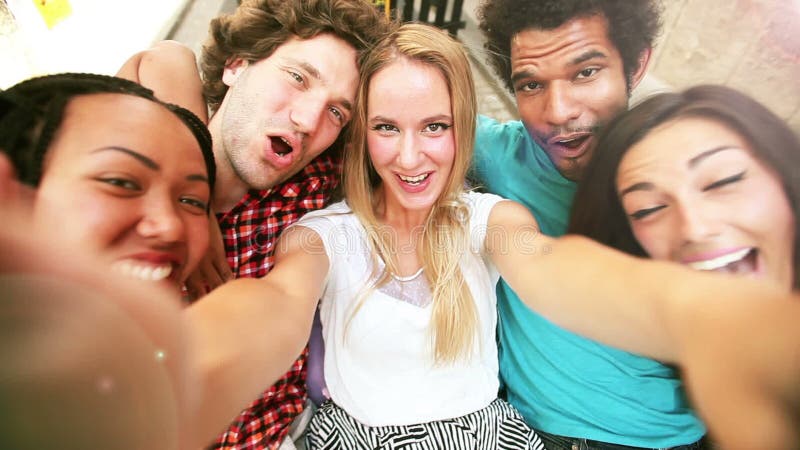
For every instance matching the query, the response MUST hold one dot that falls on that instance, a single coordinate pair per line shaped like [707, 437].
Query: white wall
[97, 37]
[750, 45]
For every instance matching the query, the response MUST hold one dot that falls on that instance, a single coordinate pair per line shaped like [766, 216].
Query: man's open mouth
[280, 145]
[572, 143]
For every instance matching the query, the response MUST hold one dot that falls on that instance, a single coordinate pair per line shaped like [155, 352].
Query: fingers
[213, 270]
[195, 285]
[222, 270]
[212, 275]
[219, 272]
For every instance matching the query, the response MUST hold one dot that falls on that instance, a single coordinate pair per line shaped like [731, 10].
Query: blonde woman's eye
[384, 127]
[438, 126]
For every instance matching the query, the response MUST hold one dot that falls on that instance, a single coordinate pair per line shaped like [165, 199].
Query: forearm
[244, 336]
[634, 304]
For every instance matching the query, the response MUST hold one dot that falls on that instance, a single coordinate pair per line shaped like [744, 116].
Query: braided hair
[32, 111]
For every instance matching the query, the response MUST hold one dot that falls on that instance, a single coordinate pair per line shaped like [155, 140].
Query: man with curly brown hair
[571, 64]
[280, 79]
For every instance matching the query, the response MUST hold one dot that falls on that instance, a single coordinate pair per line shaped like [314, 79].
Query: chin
[418, 206]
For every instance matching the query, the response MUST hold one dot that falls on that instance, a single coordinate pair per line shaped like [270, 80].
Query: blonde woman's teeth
[414, 180]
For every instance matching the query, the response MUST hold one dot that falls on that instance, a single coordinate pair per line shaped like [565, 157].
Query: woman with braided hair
[126, 176]
[97, 173]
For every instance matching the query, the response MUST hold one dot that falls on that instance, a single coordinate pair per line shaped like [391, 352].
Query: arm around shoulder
[169, 68]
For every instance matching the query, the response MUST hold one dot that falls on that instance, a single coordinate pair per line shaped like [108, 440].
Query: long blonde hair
[444, 237]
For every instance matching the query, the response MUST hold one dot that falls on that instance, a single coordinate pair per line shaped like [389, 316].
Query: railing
[424, 12]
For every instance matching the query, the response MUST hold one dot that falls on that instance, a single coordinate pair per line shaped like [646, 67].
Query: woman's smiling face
[125, 179]
[410, 134]
[696, 194]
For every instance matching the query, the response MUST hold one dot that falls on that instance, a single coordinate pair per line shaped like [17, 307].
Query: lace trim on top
[413, 289]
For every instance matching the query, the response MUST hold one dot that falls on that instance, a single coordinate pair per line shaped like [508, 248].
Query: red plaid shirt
[250, 231]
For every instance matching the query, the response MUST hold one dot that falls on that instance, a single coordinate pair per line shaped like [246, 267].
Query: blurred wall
[97, 36]
[750, 45]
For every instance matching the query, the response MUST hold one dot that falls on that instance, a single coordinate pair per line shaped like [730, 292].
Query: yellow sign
[53, 11]
[384, 6]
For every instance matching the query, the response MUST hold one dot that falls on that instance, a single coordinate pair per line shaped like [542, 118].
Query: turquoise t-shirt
[562, 383]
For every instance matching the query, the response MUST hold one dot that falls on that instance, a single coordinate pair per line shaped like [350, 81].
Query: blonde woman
[408, 303]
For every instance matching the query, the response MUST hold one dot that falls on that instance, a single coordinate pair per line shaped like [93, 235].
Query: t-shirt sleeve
[480, 207]
[328, 225]
[492, 141]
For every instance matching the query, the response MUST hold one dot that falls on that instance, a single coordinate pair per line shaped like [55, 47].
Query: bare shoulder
[508, 213]
[169, 69]
[301, 236]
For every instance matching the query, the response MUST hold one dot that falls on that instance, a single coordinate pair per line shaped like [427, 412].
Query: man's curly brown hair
[258, 27]
[632, 26]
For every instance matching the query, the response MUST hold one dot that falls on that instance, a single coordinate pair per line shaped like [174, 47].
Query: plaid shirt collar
[320, 176]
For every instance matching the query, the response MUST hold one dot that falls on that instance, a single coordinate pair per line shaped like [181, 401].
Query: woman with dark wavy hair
[727, 160]
[708, 178]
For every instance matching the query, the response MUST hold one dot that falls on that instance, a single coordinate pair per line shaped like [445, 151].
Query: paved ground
[191, 28]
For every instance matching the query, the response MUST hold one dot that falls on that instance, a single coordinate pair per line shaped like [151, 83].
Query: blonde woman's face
[410, 133]
[695, 194]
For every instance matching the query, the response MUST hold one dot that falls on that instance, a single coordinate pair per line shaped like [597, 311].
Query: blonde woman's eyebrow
[438, 118]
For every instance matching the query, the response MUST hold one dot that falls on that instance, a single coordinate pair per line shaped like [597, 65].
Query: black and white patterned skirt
[497, 426]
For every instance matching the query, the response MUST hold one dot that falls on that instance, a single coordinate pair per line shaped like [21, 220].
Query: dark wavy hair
[258, 27]
[632, 26]
[32, 111]
[597, 210]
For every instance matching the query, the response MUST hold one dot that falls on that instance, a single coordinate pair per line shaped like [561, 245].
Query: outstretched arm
[736, 339]
[635, 304]
[246, 333]
[169, 68]
[741, 365]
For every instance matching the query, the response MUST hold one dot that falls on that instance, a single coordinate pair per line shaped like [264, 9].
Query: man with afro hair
[571, 65]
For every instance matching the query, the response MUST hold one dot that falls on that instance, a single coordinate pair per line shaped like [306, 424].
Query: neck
[395, 215]
[229, 187]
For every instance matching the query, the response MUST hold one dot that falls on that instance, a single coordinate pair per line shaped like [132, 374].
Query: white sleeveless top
[381, 369]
